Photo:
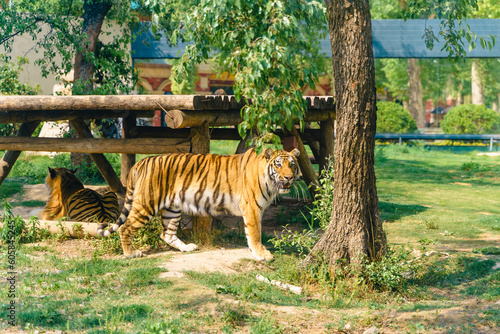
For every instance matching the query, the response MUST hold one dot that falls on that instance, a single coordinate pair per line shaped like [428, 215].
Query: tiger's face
[283, 168]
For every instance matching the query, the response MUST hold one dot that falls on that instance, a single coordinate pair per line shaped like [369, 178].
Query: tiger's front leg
[170, 220]
[253, 227]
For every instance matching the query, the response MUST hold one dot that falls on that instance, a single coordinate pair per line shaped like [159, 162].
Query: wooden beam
[22, 116]
[128, 160]
[177, 119]
[96, 145]
[139, 102]
[326, 143]
[200, 143]
[305, 164]
[10, 157]
[100, 102]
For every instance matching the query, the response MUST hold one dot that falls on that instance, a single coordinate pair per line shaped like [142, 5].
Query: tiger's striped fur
[204, 184]
[69, 198]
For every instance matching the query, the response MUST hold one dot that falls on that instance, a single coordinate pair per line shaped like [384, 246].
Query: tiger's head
[63, 180]
[283, 168]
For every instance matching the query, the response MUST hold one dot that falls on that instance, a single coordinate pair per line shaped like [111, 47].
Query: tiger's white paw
[188, 248]
[134, 254]
[263, 255]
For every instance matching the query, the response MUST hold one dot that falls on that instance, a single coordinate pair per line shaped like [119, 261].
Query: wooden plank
[96, 145]
[22, 116]
[200, 143]
[178, 119]
[128, 160]
[98, 102]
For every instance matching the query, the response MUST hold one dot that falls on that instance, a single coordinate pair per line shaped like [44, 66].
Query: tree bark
[477, 83]
[355, 230]
[415, 103]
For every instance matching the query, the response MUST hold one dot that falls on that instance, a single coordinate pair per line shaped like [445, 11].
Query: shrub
[471, 119]
[393, 118]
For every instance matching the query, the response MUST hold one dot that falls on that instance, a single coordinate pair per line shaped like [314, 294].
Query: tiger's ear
[269, 153]
[295, 152]
[52, 172]
[73, 171]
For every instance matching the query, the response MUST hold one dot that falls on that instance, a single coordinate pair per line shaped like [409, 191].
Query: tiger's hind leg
[133, 223]
[170, 221]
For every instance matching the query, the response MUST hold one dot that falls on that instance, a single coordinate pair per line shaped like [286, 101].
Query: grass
[441, 212]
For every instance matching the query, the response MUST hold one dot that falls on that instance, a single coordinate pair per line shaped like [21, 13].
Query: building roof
[391, 39]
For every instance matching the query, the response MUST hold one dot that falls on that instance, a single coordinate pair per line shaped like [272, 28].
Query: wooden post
[99, 159]
[305, 164]
[327, 143]
[200, 143]
[128, 160]
[10, 157]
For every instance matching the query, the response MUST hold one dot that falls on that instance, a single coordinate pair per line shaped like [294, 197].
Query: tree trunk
[355, 229]
[496, 104]
[93, 17]
[477, 84]
[415, 103]
[460, 97]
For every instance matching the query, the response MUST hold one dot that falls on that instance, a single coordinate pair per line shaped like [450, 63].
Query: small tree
[471, 119]
[393, 118]
[10, 85]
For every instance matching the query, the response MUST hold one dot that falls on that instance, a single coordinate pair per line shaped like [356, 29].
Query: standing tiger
[204, 184]
[69, 198]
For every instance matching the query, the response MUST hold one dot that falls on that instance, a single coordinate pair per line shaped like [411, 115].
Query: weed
[431, 224]
[427, 241]
[265, 325]
[474, 167]
[488, 250]
[232, 317]
[107, 245]
[24, 232]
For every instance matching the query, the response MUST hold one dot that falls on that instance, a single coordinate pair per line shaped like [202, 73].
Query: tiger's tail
[123, 216]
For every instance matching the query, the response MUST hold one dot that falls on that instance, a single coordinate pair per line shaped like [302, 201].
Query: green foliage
[391, 273]
[271, 48]
[393, 75]
[471, 119]
[9, 77]
[10, 85]
[21, 231]
[393, 118]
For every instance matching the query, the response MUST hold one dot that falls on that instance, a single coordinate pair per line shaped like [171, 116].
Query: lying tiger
[69, 198]
[197, 184]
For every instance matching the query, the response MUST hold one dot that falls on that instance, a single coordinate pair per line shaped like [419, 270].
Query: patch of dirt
[221, 260]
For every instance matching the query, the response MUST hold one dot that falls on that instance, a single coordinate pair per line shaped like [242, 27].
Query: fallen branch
[284, 286]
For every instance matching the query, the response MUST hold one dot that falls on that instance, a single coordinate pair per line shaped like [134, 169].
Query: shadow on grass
[418, 172]
[392, 211]
[453, 272]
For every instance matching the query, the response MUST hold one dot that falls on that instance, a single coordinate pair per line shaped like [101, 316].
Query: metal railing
[423, 136]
